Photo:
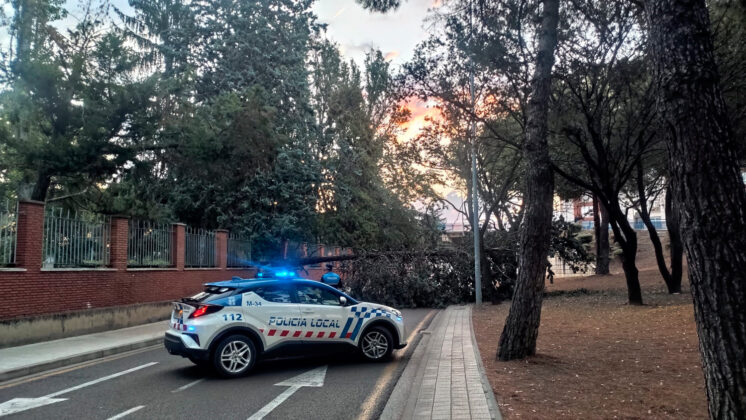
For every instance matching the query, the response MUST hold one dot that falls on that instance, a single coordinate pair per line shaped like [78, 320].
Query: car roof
[254, 282]
[239, 283]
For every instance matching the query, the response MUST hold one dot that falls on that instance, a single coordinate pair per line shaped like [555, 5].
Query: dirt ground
[598, 357]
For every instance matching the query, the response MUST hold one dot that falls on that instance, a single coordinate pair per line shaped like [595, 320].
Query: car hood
[379, 306]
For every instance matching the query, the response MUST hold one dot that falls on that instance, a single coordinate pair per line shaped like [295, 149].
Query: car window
[277, 294]
[317, 295]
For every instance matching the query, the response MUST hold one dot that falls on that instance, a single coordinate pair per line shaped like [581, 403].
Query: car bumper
[174, 345]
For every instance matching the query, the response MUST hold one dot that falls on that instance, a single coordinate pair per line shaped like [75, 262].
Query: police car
[233, 323]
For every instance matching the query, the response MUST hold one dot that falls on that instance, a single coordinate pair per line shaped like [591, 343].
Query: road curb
[401, 406]
[77, 358]
[380, 402]
[398, 406]
[488, 392]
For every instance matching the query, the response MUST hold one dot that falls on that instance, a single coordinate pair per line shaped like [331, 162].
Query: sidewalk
[444, 379]
[32, 358]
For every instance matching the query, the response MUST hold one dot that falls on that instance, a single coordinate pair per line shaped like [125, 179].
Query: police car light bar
[285, 274]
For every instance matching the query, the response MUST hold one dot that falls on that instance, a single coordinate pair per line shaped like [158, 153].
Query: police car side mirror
[343, 301]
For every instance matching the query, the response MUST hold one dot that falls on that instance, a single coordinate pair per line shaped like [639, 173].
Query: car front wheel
[377, 344]
[234, 356]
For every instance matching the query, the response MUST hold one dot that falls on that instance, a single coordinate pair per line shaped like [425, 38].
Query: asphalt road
[151, 384]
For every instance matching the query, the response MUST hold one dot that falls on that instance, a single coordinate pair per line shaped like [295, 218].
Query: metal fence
[149, 244]
[8, 220]
[200, 248]
[75, 239]
[239, 251]
[659, 224]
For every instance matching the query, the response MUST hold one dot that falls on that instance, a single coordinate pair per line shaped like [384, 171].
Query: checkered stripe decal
[361, 313]
[377, 312]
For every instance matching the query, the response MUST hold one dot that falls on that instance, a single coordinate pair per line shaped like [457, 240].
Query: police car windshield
[212, 293]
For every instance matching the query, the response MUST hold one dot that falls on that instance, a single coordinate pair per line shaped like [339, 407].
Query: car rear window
[276, 294]
[212, 293]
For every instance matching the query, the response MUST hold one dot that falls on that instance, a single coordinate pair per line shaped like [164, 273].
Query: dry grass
[598, 357]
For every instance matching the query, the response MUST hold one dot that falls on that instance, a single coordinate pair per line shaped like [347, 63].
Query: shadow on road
[276, 366]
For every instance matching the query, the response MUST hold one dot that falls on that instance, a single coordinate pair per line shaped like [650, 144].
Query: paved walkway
[444, 378]
[37, 357]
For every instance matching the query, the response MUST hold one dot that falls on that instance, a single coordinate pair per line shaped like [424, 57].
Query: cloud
[420, 113]
[339, 12]
[391, 55]
[362, 47]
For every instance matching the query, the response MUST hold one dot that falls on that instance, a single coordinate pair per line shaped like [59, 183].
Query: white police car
[232, 323]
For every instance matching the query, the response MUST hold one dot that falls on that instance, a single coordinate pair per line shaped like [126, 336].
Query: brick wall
[29, 290]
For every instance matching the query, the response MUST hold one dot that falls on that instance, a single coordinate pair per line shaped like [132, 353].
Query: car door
[271, 309]
[322, 312]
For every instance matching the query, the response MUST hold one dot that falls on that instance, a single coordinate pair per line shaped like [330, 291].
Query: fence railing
[200, 248]
[149, 244]
[8, 223]
[75, 239]
[239, 251]
[659, 224]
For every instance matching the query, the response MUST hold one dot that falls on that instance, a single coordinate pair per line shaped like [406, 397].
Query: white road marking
[274, 403]
[126, 413]
[105, 378]
[22, 404]
[314, 378]
[189, 385]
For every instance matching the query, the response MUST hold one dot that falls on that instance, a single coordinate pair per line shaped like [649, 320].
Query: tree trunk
[601, 230]
[628, 242]
[604, 241]
[674, 239]
[41, 187]
[673, 287]
[518, 338]
[626, 237]
[708, 188]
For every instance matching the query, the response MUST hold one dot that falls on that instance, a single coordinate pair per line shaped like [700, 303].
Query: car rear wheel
[377, 344]
[234, 356]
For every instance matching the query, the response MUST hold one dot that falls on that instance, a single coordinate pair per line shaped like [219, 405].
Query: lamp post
[474, 186]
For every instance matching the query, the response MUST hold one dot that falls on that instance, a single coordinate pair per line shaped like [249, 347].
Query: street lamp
[474, 189]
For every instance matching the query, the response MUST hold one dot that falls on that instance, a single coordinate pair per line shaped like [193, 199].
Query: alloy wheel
[235, 357]
[375, 345]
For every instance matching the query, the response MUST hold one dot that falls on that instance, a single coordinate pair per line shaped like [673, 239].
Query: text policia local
[303, 322]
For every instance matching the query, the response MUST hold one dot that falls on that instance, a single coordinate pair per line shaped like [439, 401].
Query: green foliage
[571, 244]
[380, 5]
[357, 114]
[221, 113]
[68, 103]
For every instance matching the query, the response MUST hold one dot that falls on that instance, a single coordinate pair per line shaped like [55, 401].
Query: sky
[357, 30]
[395, 33]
